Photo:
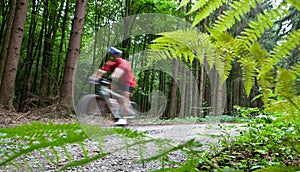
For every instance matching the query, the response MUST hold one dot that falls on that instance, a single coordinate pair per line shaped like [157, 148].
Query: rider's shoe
[121, 121]
[116, 119]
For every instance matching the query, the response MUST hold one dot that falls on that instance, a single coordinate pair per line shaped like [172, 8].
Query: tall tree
[7, 36]
[13, 54]
[66, 89]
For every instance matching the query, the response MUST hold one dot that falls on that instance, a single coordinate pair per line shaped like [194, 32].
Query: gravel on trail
[128, 160]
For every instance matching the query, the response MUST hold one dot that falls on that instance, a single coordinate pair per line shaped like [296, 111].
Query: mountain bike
[101, 108]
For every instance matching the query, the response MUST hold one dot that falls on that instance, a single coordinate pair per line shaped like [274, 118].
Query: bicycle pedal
[129, 117]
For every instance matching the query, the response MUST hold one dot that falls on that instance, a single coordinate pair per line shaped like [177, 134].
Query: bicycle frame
[104, 94]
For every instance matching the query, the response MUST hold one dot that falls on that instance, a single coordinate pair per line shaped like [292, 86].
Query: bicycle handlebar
[99, 81]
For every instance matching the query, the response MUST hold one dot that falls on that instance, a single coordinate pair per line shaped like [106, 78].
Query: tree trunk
[4, 12]
[126, 39]
[13, 55]
[182, 78]
[7, 37]
[63, 35]
[202, 87]
[73, 53]
[28, 62]
[52, 18]
[195, 91]
[172, 95]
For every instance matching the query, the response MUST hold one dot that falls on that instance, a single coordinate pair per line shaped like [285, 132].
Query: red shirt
[127, 78]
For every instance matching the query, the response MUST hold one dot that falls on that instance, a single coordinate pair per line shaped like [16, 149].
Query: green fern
[179, 44]
[227, 20]
[183, 3]
[296, 69]
[264, 21]
[188, 46]
[206, 10]
[286, 46]
[294, 3]
[50, 142]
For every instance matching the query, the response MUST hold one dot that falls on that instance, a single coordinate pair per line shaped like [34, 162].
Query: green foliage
[264, 21]
[22, 140]
[260, 144]
[188, 46]
[279, 169]
[180, 44]
[257, 64]
[50, 142]
[239, 9]
[277, 85]
[24, 146]
[206, 9]
[285, 47]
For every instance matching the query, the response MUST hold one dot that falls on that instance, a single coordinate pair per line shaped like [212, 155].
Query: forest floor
[123, 160]
[178, 133]
[10, 118]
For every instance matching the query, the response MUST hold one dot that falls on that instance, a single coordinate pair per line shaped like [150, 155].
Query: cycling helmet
[114, 51]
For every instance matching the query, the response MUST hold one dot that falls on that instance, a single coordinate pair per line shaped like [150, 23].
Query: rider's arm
[118, 72]
[99, 73]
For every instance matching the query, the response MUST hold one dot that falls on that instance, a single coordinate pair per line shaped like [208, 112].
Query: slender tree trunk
[189, 87]
[7, 37]
[195, 91]
[28, 62]
[5, 12]
[63, 35]
[182, 92]
[73, 53]
[44, 80]
[126, 40]
[54, 86]
[50, 34]
[37, 56]
[13, 55]
[172, 95]
[202, 86]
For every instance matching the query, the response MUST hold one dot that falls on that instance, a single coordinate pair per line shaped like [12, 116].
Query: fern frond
[285, 47]
[264, 21]
[296, 69]
[179, 44]
[295, 3]
[184, 45]
[207, 10]
[229, 47]
[285, 84]
[286, 108]
[38, 136]
[249, 70]
[183, 3]
[240, 8]
[198, 4]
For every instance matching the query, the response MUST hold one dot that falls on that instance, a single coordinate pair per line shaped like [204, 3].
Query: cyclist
[123, 81]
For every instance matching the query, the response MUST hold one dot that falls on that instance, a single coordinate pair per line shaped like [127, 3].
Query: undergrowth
[262, 143]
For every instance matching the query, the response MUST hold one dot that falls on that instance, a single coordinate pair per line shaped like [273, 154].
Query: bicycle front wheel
[93, 110]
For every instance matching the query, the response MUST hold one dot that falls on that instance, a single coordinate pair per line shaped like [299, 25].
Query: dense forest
[195, 61]
[41, 40]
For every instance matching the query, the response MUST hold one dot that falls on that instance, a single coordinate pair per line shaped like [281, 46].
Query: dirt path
[184, 132]
[128, 161]
[178, 133]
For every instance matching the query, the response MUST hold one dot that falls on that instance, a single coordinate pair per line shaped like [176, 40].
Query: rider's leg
[125, 103]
